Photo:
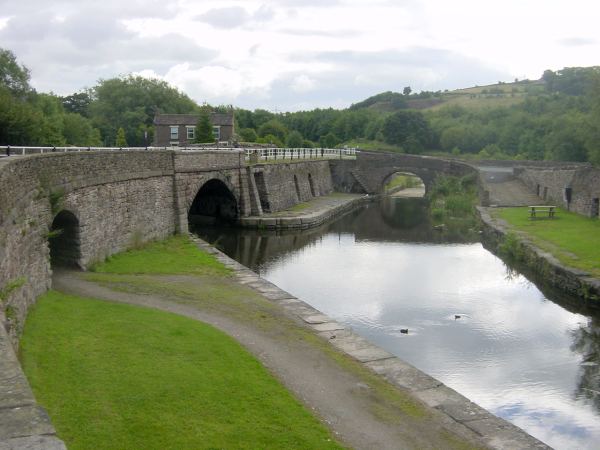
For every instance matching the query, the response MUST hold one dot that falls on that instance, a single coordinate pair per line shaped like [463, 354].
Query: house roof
[192, 119]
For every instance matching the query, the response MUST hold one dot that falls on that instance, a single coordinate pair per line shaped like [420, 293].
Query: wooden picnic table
[544, 210]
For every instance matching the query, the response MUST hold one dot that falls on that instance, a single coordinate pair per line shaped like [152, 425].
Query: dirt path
[361, 413]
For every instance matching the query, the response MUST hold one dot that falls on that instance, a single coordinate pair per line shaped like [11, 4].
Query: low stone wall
[281, 186]
[575, 282]
[554, 185]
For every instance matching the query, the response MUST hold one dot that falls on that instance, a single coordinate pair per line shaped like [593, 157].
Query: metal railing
[252, 154]
[267, 154]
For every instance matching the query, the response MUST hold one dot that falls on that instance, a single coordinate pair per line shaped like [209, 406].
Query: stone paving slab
[24, 421]
[316, 319]
[327, 326]
[33, 443]
[403, 374]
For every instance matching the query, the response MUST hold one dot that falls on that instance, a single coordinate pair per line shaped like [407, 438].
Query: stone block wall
[551, 186]
[118, 198]
[281, 186]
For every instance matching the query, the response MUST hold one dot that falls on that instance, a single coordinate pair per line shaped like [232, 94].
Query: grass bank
[573, 239]
[118, 376]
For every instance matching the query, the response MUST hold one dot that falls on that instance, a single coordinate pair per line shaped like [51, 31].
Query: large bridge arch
[214, 201]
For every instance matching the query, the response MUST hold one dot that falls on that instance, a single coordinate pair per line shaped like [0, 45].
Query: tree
[121, 141]
[274, 127]
[248, 135]
[407, 129]
[12, 75]
[271, 140]
[204, 128]
[294, 140]
[130, 101]
[78, 103]
[330, 140]
[78, 131]
[406, 91]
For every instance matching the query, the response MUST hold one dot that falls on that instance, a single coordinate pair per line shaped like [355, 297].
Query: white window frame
[190, 132]
[174, 132]
[216, 129]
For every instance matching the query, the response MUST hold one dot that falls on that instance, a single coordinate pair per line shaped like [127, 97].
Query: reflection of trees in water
[586, 341]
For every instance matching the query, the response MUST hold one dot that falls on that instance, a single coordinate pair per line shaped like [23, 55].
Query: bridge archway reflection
[406, 184]
[64, 240]
[213, 203]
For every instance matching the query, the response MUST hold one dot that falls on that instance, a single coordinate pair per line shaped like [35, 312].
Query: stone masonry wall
[280, 188]
[118, 198]
[550, 185]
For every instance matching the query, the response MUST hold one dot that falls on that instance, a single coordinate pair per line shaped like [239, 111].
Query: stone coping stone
[23, 424]
[455, 408]
[33, 443]
[305, 220]
[24, 421]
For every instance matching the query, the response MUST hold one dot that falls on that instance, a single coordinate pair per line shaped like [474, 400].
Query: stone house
[180, 129]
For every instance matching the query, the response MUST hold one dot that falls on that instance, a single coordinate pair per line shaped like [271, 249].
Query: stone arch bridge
[371, 170]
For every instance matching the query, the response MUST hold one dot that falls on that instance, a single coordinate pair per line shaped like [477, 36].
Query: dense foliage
[554, 118]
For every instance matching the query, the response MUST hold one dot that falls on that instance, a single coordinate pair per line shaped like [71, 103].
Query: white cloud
[298, 53]
[303, 83]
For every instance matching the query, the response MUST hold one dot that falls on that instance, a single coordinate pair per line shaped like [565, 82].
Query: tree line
[559, 122]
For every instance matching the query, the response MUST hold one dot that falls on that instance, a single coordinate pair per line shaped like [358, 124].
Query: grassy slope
[572, 238]
[176, 255]
[118, 376]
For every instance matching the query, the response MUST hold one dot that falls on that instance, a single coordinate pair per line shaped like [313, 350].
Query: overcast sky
[286, 55]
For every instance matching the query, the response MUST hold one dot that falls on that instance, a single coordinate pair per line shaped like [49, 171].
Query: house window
[217, 133]
[174, 132]
[191, 133]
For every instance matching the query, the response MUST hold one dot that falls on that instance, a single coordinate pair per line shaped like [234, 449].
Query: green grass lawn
[116, 376]
[176, 255]
[573, 239]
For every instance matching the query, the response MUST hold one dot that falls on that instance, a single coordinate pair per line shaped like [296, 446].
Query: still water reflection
[512, 350]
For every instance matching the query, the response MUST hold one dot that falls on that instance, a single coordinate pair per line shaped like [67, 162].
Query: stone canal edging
[24, 425]
[308, 220]
[460, 411]
[568, 279]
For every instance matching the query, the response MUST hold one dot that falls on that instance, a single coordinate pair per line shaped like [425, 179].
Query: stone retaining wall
[551, 186]
[281, 186]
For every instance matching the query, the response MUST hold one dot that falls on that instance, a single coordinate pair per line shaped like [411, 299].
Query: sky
[289, 55]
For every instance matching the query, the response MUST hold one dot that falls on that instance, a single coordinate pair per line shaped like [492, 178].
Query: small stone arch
[214, 202]
[64, 240]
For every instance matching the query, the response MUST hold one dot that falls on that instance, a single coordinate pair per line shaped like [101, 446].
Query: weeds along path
[362, 410]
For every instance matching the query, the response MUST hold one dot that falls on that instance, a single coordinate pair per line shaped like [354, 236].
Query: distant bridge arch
[369, 172]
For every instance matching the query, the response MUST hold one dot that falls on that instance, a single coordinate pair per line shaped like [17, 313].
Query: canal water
[482, 329]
